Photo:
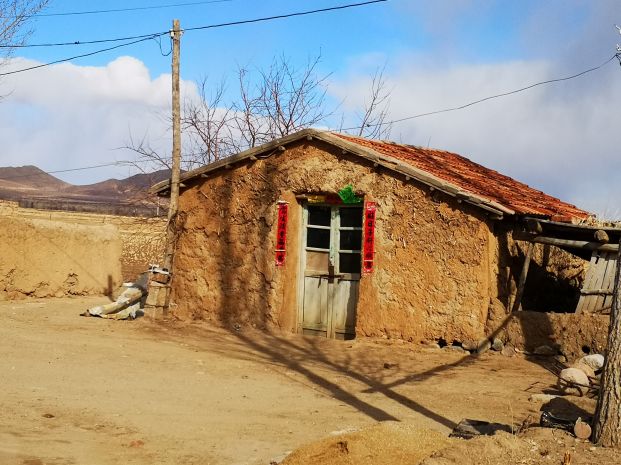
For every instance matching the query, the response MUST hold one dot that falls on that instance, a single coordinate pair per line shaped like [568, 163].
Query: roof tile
[476, 179]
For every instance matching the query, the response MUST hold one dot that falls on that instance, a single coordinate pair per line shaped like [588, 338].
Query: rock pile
[582, 376]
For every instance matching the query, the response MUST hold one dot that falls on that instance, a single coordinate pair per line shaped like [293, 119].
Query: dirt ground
[79, 390]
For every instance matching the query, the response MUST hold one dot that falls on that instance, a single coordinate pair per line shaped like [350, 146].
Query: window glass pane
[319, 216]
[319, 238]
[317, 261]
[350, 240]
[349, 263]
[351, 217]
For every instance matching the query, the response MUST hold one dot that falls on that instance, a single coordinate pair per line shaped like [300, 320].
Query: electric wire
[116, 10]
[68, 170]
[549, 81]
[283, 16]
[156, 35]
[63, 60]
[211, 26]
[86, 42]
[158, 40]
[504, 94]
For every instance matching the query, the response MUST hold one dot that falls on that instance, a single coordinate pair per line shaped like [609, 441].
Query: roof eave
[164, 185]
[421, 176]
[378, 159]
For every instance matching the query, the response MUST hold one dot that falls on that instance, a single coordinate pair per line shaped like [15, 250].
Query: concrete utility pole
[175, 35]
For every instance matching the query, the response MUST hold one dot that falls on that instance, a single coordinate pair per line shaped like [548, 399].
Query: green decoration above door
[348, 196]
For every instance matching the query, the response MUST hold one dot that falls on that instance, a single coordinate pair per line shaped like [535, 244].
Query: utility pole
[175, 35]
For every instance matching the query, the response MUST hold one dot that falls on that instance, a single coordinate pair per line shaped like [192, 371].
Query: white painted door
[331, 270]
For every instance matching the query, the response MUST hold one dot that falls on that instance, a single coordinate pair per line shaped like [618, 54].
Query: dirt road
[78, 390]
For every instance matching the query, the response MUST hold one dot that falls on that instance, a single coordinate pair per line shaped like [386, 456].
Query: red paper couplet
[281, 234]
[368, 250]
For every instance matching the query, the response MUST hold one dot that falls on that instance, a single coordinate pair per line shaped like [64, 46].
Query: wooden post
[176, 156]
[520, 287]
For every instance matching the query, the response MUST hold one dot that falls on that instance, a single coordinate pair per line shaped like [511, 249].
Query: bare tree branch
[15, 16]
[270, 103]
[373, 121]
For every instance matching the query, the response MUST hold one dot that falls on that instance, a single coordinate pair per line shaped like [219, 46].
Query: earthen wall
[569, 334]
[436, 268]
[43, 258]
[142, 239]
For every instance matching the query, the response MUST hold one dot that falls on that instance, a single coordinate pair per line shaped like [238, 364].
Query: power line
[63, 60]
[86, 42]
[83, 168]
[115, 10]
[289, 15]
[116, 163]
[156, 35]
[211, 26]
[504, 94]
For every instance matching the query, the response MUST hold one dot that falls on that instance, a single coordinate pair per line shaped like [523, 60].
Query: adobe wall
[43, 258]
[569, 334]
[142, 239]
[436, 260]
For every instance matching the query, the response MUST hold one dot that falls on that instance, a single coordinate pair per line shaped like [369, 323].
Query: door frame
[330, 330]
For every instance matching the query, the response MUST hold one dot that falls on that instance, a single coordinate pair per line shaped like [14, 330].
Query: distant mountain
[33, 187]
[136, 185]
[29, 178]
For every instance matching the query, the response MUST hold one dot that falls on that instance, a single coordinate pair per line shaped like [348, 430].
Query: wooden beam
[566, 243]
[596, 292]
[517, 302]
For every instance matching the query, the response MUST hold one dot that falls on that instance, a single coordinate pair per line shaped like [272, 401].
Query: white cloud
[560, 138]
[67, 116]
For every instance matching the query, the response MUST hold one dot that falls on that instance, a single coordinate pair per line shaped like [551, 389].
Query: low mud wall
[142, 239]
[570, 334]
[44, 258]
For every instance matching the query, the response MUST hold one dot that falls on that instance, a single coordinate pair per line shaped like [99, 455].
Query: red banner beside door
[281, 233]
[368, 250]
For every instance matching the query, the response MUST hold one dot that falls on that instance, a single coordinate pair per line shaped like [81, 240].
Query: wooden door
[597, 289]
[331, 270]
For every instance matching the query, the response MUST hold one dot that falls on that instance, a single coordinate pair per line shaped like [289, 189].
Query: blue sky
[218, 51]
[437, 54]
[465, 33]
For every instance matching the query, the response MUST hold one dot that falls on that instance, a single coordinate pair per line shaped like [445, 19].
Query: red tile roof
[476, 179]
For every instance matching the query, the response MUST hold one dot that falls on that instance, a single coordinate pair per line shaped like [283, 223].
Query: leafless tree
[15, 22]
[373, 124]
[208, 126]
[283, 100]
[269, 103]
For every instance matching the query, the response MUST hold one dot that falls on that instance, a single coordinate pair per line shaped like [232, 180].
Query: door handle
[326, 275]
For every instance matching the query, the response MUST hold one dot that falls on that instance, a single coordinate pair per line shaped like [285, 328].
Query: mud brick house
[327, 234]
